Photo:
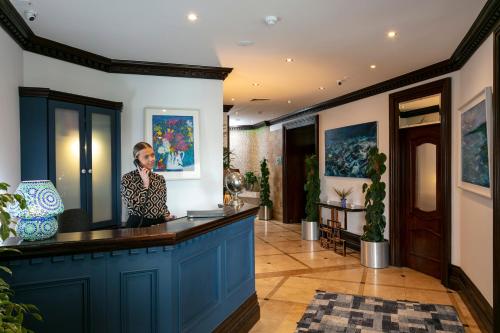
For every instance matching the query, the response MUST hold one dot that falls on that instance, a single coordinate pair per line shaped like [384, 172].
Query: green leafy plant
[11, 314]
[250, 179]
[343, 193]
[312, 188]
[265, 192]
[373, 230]
[228, 157]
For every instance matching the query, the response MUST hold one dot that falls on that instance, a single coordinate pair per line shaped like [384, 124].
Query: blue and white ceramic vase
[43, 204]
[343, 202]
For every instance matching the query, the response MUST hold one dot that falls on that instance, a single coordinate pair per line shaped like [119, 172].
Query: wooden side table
[330, 232]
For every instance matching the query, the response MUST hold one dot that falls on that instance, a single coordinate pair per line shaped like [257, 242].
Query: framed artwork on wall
[346, 150]
[475, 151]
[174, 136]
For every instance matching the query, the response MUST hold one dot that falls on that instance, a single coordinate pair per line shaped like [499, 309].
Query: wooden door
[422, 209]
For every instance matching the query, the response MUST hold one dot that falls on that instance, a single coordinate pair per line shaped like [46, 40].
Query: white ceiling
[328, 39]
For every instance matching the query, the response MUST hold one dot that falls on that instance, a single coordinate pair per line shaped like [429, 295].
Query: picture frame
[174, 134]
[474, 159]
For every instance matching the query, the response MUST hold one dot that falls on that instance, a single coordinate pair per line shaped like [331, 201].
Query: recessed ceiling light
[392, 34]
[260, 112]
[289, 59]
[373, 66]
[255, 84]
[245, 42]
[321, 88]
[233, 99]
[192, 17]
[289, 101]
[236, 113]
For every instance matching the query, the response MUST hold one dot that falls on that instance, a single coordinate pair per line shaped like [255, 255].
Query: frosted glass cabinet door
[68, 145]
[102, 166]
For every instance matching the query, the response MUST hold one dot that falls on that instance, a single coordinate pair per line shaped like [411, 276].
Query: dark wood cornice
[479, 307]
[250, 127]
[67, 97]
[482, 27]
[17, 28]
[227, 107]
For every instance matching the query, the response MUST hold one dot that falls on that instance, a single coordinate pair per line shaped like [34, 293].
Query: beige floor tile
[278, 317]
[391, 276]
[350, 275]
[298, 246]
[427, 296]
[463, 312]
[414, 279]
[262, 249]
[276, 263]
[265, 285]
[302, 290]
[268, 228]
[324, 259]
[392, 293]
[279, 236]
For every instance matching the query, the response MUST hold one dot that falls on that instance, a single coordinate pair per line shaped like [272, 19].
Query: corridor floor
[289, 271]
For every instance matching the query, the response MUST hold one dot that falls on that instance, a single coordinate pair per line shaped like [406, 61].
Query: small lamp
[43, 204]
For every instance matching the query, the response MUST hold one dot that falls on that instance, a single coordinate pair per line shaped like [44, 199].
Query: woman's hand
[144, 173]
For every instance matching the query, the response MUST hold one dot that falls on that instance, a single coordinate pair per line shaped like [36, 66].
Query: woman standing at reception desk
[144, 192]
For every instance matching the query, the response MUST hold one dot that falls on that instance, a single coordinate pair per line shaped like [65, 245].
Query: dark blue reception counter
[181, 276]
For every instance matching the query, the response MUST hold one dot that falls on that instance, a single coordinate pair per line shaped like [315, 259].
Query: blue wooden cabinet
[74, 141]
[191, 286]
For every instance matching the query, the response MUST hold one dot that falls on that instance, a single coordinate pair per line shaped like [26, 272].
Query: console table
[330, 233]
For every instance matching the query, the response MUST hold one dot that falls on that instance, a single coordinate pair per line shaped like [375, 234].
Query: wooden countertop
[168, 233]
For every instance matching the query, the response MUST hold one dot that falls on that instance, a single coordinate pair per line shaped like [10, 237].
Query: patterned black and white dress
[151, 204]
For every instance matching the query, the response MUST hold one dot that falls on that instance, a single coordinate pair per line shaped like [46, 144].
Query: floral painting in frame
[475, 152]
[174, 136]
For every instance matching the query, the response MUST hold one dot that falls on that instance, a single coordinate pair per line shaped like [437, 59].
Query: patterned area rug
[331, 312]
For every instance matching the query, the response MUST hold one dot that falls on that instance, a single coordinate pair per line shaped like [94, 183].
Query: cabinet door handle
[90, 171]
[84, 171]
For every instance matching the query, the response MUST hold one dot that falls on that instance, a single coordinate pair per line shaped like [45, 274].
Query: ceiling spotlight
[236, 113]
[192, 17]
[271, 20]
[391, 34]
[321, 88]
[373, 66]
[245, 42]
[233, 99]
[289, 101]
[255, 84]
[289, 59]
[260, 112]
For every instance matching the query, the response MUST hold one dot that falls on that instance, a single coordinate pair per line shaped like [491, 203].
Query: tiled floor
[290, 270]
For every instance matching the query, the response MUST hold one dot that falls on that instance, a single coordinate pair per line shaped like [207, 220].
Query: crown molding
[227, 107]
[487, 20]
[67, 97]
[17, 28]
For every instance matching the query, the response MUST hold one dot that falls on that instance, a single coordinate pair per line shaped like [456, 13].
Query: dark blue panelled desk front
[181, 276]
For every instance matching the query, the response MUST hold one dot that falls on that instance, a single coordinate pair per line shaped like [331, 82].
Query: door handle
[84, 171]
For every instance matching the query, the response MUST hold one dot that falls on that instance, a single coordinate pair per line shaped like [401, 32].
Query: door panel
[67, 141]
[422, 208]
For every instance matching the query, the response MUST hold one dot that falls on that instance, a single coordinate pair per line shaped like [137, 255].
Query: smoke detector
[271, 20]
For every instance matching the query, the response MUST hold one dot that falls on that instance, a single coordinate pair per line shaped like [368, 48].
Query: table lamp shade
[43, 204]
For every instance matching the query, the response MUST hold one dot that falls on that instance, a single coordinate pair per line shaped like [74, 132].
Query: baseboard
[479, 307]
[243, 319]
[352, 241]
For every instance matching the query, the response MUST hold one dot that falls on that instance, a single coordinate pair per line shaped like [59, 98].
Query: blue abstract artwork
[346, 150]
[474, 146]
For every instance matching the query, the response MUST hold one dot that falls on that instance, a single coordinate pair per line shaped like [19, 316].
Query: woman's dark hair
[140, 146]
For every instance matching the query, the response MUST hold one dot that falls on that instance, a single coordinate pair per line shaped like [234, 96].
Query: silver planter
[265, 213]
[310, 230]
[375, 254]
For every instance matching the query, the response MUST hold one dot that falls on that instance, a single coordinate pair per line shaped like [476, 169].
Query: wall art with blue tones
[346, 150]
[475, 144]
[174, 133]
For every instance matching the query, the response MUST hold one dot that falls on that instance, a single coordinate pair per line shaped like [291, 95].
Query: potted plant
[343, 194]
[374, 248]
[266, 205]
[12, 315]
[310, 229]
[250, 180]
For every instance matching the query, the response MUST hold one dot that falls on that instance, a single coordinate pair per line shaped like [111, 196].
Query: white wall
[474, 213]
[137, 92]
[11, 74]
